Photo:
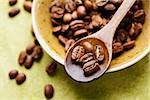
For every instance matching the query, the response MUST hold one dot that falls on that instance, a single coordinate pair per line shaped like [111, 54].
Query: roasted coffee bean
[88, 4]
[69, 43]
[135, 30]
[12, 2]
[99, 52]
[67, 17]
[101, 3]
[86, 58]
[70, 6]
[28, 62]
[77, 53]
[74, 15]
[122, 35]
[30, 48]
[22, 57]
[37, 53]
[116, 2]
[117, 48]
[87, 19]
[54, 3]
[51, 68]
[48, 91]
[76, 22]
[56, 30]
[21, 77]
[89, 63]
[57, 12]
[81, 32]
[13, 74]
[139, 16]
[88, 46]
[110, 7]
[78, 2]
[81, 11]
[27, 6]
[65, 28]
[97, 21]
[129, 45]
[62, 39]
[90, 70]
[55, 22]
[13, 12]
[56, 15]
[77, 27]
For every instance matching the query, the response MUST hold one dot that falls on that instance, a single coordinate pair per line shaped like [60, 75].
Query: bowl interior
[42, 27]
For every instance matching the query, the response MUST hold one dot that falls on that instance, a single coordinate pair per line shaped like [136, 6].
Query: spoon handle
[121, 12]
[107, 33]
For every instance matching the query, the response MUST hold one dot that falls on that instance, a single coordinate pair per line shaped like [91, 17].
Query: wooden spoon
[103, 37]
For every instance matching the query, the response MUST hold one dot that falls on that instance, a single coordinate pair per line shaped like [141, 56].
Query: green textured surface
[129, 84]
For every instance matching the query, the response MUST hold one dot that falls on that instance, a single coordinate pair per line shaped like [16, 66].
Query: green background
[15, 34]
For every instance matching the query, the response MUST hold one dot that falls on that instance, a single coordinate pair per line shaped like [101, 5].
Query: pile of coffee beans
[74, 19]
[89, 56]
[20, 77]
[13, 11]
[33, 53]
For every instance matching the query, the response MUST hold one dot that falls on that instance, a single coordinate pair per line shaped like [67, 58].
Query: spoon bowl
[104, 37]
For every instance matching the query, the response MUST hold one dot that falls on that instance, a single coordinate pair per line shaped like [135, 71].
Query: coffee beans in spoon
[89, 57]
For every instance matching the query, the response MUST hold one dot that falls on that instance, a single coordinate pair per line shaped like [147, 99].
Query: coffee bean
[77, 53]
[99, 53]
[88, 4]
[27, 6]
[90, 70]
[57, 12]
[28, 62]
[62, 39]
[13, 74]
[12, 2]
[86, 58]
[139, 16]
[88, 46]
[74, 15]
[51, 68]
[129, 45]
[117, 48]
[122, 35]
[21, 77]
[97, 21]
[48, 91]
[30, 48]
[78, 2]
[110, 7]
[65, 28]
[70, 6]
[67, 17]
[89, 63]
[69, 43]
[101, 3]
[37, 53]
[56, 30]
[81, 32]
[13, 12]
[81, 11]
[22, 57]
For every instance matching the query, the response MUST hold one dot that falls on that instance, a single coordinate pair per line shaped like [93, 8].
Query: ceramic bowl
[43, 31]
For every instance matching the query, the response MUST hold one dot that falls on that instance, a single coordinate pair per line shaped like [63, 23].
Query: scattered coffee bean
[12, 2]
[37, 53]
[28, 6]
[13, 74]
[22, 57]
[13, 12]
[51, 68]
[21, 77]
[30, 48]
[28, 62]
[48, 91]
